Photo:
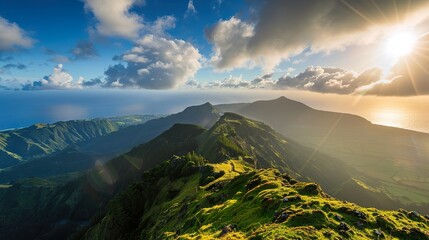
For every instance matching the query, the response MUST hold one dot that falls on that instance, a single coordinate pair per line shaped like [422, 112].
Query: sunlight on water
[389, 117]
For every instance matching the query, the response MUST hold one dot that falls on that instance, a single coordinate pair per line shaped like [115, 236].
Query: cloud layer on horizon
[59, 79]
[330, 80]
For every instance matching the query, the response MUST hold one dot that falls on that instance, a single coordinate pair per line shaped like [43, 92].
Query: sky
[341, 47]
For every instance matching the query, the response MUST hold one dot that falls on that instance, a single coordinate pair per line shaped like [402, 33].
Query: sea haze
[24, 108]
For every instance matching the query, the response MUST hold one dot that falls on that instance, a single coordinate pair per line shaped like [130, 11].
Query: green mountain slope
[155, 205]
[100, 149]
[57, 211]
[43, 139]
[39, 140]
[184, 198]
[395, 161]
[204, 115]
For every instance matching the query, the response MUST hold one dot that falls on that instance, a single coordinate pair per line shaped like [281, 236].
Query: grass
[245, 203]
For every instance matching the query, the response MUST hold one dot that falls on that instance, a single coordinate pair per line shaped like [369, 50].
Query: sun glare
[389, 117]
[400, 44]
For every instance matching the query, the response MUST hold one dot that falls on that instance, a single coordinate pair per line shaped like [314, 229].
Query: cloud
[410, 76]
[84, 50]
[230, 39]
[92, 82]
[18, 66]
[190, 9]
[9, 84]
[59, 79]
[329, 80]
[12, 36]
[155, 63]
[114, 17]
[9, 66]
[161, 24]
[56, 56]
[235, 82]
[287, 28]
[60, 59]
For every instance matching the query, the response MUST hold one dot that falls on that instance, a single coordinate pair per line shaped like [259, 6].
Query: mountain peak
[282, 98]
[203, 107]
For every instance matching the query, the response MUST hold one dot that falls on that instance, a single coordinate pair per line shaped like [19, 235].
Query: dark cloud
[57, 57]
[287, 28]
[18, 66]
[263, 78]
[84, 50]
[329, 80]
[93, 82]
[410, 76]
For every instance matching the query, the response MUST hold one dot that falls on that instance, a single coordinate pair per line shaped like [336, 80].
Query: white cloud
[190, 9]
[161, 24]
[59, 79]
[329, 80]
[287, 28]
[114, 17]
[155, 63]
[12, 36]
[262, 82]
[230, 39]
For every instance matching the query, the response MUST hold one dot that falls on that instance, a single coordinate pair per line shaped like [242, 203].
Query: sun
[400, 44]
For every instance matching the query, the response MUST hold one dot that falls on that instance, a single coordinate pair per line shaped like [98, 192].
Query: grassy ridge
[188, 198]
[391, 160]
[174, 201]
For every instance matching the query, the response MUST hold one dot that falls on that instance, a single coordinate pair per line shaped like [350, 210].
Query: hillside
[204, 115]
[68, 207]
[100, 149]
[184, 198]
[39, 140]
[395, 161]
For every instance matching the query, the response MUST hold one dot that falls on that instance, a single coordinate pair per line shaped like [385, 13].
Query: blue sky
[327, 47]
[57, 26]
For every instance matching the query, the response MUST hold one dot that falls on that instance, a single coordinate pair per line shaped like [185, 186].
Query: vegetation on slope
[187, 197]
[184, 198]
[39, 140]
[43, 139]
[57, 211]
[392, 161]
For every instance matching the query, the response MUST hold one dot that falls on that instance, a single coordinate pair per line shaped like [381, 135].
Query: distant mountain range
[100, 149]
[389, 160]
[208, 173]
[40, 140]
[166, 189]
